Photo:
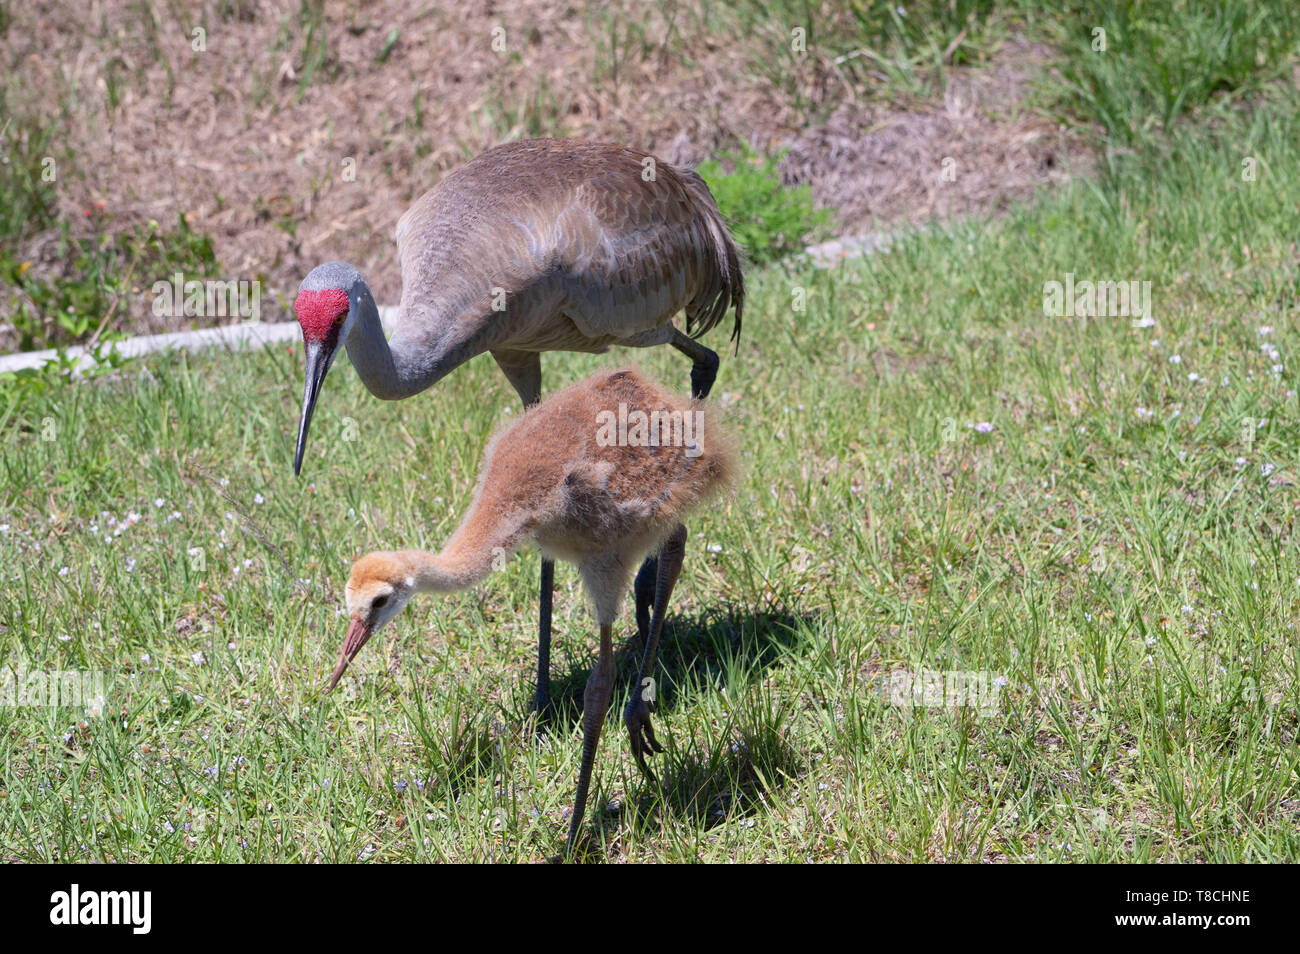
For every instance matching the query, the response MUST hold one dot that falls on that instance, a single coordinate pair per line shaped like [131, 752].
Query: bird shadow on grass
[723, 767]
[693, 650]
[702, 650]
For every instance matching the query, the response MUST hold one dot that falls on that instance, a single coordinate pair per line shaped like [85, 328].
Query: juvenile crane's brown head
[326, 308]
[379, 588]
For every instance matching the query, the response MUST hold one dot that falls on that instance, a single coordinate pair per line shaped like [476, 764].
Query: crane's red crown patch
[319, 311]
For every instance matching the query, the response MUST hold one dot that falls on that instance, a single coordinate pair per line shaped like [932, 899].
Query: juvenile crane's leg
[595, 705]
[642, 703]
[523, 369]
[704, 371]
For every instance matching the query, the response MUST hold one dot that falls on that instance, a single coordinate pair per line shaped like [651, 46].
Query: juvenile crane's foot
[641, 733]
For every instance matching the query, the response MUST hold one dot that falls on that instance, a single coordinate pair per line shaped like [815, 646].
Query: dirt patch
[288, 150]
[975, 150]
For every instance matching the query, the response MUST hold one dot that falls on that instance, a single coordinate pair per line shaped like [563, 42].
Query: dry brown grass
[253, 155]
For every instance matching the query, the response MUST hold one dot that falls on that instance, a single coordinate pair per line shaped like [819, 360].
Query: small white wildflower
[984, 427]
[1175, 359]
[258, 499]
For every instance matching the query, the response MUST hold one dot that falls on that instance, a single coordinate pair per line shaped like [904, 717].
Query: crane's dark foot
[644, 592]
[704, 363]
[704, 371]
[641, 732]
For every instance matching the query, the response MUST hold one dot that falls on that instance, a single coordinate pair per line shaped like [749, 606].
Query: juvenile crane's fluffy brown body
[541, 245]
[554, 477]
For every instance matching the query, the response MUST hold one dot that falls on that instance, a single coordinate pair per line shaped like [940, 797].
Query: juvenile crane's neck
[485, 540]
[442, 572]
[426, 347]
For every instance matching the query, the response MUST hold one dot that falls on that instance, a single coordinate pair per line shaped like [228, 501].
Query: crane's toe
[641, 733]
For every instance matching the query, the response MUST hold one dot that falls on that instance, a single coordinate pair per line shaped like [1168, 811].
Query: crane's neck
[444, 572]
[413, 360]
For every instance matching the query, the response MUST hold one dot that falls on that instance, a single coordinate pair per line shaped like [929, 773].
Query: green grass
[768, 219]
[1135, 66]
[1119, 548]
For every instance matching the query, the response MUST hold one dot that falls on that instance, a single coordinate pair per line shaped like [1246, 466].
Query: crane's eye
[379, 602]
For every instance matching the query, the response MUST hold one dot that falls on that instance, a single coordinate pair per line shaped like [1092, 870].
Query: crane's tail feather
[727, 289]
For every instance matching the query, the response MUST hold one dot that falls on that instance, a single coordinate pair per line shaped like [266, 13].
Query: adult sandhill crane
[563, 476]
[542, 245]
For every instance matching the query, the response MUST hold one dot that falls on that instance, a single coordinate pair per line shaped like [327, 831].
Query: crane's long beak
[318, 362]
[358, 633]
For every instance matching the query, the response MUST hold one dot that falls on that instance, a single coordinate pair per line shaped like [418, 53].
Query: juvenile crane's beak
[358, 633]
[318, 357]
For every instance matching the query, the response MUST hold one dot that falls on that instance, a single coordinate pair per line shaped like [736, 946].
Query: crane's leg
[704, 371]
[524, 371]
[595, 704]
[637, 714]
[542, 697]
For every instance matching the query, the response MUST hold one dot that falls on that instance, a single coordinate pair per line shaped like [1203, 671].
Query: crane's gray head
[326, 308]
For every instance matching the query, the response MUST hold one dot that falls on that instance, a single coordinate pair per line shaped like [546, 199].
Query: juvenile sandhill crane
[542, 245]
[563, 477]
